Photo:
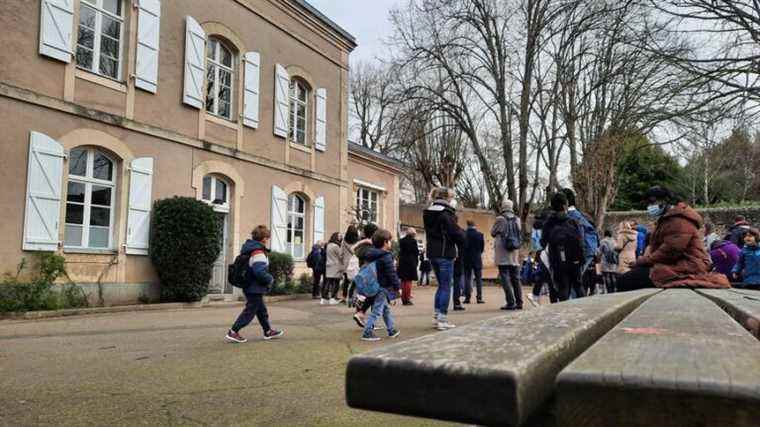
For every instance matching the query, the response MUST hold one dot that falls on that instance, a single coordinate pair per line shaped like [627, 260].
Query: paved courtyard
[172, 367]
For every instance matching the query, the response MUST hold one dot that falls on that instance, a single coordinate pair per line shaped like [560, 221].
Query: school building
[109, 105]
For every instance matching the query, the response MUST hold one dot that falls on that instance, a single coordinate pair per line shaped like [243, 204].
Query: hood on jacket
[684, 211]
[251, 245]
[315, 247]
[374, 254]
[744, 224]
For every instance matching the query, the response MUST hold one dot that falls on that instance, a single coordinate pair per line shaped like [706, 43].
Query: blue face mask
[655, 211]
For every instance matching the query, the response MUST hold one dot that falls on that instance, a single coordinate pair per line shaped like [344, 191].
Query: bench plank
[744, 306]
[493, 372]
[678, 360]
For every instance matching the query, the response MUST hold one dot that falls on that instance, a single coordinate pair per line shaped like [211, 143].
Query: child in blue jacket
[259, 284]
[381, 255]
[747, 269]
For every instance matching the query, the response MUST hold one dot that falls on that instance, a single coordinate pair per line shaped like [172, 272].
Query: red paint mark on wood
[644, 331]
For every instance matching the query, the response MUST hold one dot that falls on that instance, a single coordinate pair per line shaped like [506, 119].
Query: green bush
[40, 293]
[184, 243]
[304, 283]
[281, 267]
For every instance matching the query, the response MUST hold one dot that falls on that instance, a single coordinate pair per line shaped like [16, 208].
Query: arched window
[90, 199]
[216, 192]
[296, 226]
[220, 77]
[299, 101]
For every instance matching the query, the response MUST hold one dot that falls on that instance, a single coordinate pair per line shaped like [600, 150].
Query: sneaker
[359, 319]
[273, 334]
[458, 308]
[408, 303]
[370, 337]
[435, 319]
[533, 299]
[480, 301]
[445, 325]
[322, 301]
[393, 333]
[234, 337]
[466, 301]
[333, 301]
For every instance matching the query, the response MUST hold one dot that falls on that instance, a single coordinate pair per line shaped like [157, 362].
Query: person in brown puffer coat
[626, 246]
[676, 255]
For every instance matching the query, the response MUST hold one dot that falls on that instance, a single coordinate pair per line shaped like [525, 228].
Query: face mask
[655, 211]
[453, 203]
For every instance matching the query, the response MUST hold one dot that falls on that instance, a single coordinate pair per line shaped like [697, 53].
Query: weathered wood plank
[744, 307]
[677, 360]
[494, 372]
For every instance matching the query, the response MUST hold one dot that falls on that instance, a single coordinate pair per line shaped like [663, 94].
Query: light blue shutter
[195, 63]
[281, 101]
[319, 219]
[252, 63]
[148, 35]
[43, 194]
[279, 219]
[140, 200]
[56, 26]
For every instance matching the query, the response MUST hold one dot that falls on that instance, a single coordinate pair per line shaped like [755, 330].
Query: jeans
[471, 273]
[567, 278]
[380, 307]
[510, 282]
[316, 278]
[443, 268]
[330, 287]
[458, 284]
[254, 306]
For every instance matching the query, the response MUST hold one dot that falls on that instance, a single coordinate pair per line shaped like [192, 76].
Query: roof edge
[327, 21]
[379, 157]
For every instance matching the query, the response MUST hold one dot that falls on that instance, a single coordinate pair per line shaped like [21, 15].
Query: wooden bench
[677, 360]
[494, 372]
[742, 305]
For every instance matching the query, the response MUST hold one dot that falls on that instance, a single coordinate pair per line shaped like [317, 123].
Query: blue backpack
[365, 280]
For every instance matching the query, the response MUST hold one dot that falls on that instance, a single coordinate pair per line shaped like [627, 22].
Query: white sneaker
[445, 325]
[333, 301]
[322, 301]
[533, 299]
[435, 320]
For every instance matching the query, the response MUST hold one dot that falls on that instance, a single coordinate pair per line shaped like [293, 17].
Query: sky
[367, 20]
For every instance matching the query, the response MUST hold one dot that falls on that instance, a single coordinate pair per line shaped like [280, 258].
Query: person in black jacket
[425, 269]
[381, 255]
[409, 254]
[315, 261]
[443, 236]
[473, 262]
[563, 243]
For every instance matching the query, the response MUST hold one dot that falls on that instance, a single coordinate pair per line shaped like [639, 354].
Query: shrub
[184, 243]
[281, 267]
[304, 284]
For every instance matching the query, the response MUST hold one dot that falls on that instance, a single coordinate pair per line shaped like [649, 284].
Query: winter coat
[346, 252]
[626, 244]
[334, 261]
[588, 233]
[736, 233]
[710, 239]
[749, 265]
[529, 271]
[315, 260]
[501, 256]
[258, 267]
[425, 265]
[535, 239]
[555, 219]
[676, 252]
[724, 255]
[409, 254]
[473, 248]
[441, 230]
[608, 244]
[386, 272]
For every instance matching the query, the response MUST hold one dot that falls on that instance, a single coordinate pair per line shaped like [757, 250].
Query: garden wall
[721, 217]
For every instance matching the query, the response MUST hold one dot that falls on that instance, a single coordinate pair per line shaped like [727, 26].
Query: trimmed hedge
[184, 243]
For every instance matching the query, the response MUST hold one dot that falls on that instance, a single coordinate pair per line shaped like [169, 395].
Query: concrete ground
[172, 367]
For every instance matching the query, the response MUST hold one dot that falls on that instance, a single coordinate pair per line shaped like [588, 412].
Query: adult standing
[676, 256]
[314, 262]
[334, 270]
[409, 255]
[610, 261]
[443, 235]
[507, 241]
[563, 245]
[473, 262]
[627, 244]
[588, 230]
[350, 263]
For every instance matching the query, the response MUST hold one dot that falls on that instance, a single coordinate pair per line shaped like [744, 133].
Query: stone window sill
[299, 147]
[221, 122]
[100, 80]
[90, 251]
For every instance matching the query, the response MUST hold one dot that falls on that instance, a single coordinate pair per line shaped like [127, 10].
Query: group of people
[567, 257]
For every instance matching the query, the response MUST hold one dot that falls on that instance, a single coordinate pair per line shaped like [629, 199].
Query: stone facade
[66, 106]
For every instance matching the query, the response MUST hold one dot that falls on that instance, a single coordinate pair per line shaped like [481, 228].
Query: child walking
[381, 255]
[259, 282]
[747, 269]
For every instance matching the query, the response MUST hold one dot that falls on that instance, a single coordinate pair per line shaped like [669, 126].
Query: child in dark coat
[380, 254]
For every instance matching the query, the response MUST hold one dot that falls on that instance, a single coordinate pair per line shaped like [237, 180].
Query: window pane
[206, 188]
[221, 191]
[102, 167]
[109, 67]
[299, 223]
[98, 237]
[109, 47]
[86, 37]
[302, 94]
[226, 57]
[101, 195]
[74, 214]
[72, 235]
[84, 58]
[113, 6]
[301, 137]
[211, 49]
[225, 77]
[87, 17]
[373, 196]
[75, 192]
[111, 28]
[100, 216]
[78, 162]
[224, 109]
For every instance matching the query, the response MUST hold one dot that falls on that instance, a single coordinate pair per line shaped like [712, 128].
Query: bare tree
[373, 106]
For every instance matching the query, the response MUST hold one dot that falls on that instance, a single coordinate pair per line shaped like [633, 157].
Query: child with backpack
[563, 242]
[747, 269]
[251, 273]
[378, 279]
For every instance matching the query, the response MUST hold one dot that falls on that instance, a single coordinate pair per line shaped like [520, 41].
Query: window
[366, 205]
[100, 36]
[216, 193]
[89, 200]
[296, 226]
[219, 77]
[299, 95]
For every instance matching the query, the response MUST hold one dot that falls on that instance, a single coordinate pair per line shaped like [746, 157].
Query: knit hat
[508, 205]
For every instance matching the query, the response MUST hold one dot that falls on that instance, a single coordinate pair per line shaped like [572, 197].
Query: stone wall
[721, 217]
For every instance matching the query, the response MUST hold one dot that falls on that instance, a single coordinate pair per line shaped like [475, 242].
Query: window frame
[89, 181]
[361, 192]
[293, 102]
[292, 216]
[218, 207]
[218, 66]
[99, 11]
